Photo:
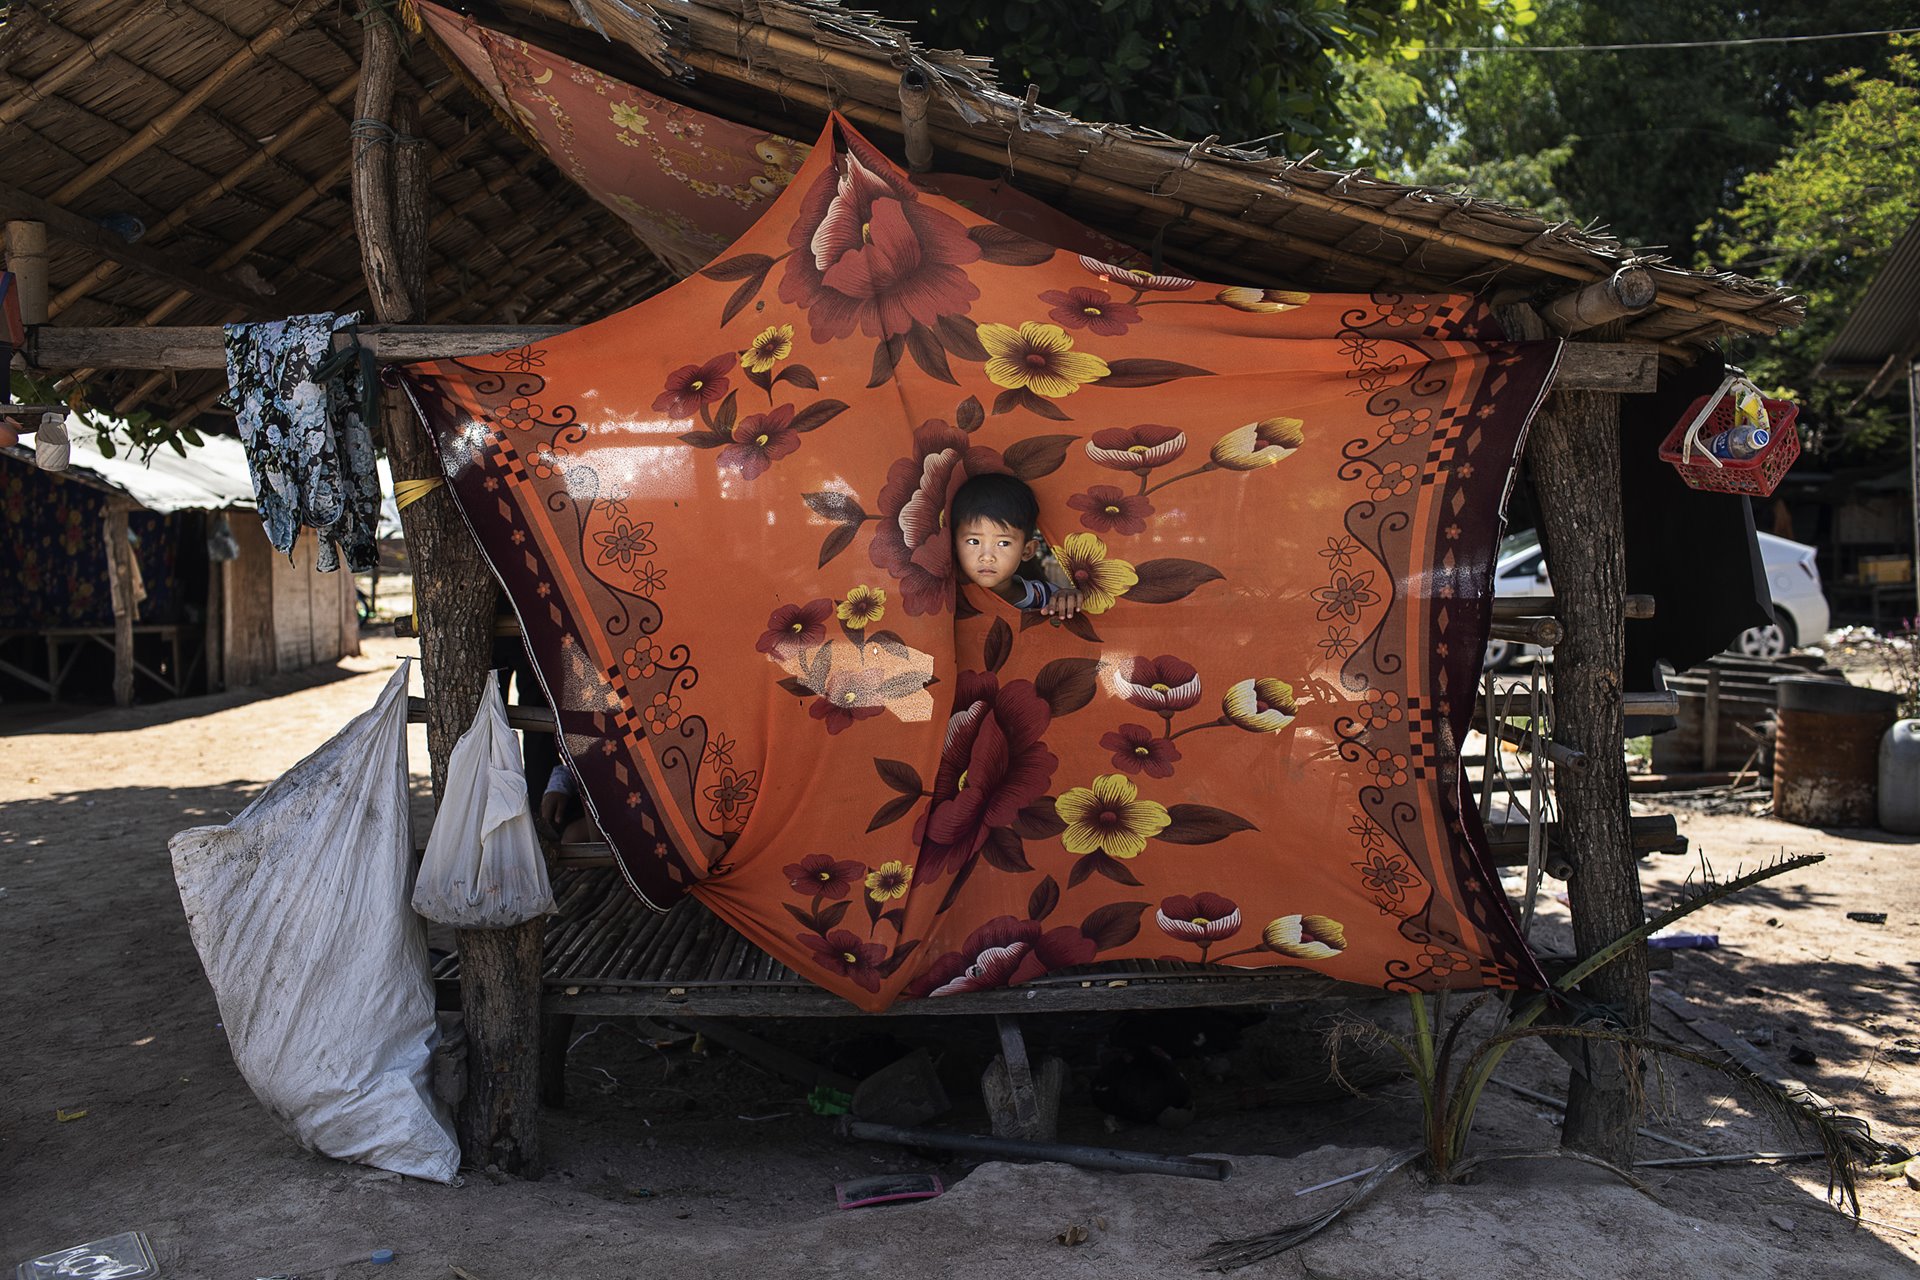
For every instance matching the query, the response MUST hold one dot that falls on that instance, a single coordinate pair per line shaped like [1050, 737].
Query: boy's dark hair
[1000, 498]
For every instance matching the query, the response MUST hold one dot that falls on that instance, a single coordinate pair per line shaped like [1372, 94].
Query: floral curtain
[722, 518]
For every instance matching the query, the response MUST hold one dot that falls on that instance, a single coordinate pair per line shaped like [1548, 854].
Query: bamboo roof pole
[883, 79]
[90, 52]
[163, 124]
[1073, 179]
[288, 134]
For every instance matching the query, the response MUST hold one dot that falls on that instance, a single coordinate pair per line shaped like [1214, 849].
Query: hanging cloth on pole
[303, 420]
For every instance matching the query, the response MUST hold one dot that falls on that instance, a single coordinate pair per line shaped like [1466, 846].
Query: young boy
[996, 542]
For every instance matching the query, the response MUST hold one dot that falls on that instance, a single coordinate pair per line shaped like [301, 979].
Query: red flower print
[693, 385]
[992, 765]
[793, 627]
[1105, 509]
[911, 540]
[1003, 952]
[846, 955]
[1162, 685]
[819, 875]
[868, 254]
[1136, 750]
[849, 696]
[1346, 596]
[1090, 309]
[1140, 448]
[1204, 918]
[759, 439]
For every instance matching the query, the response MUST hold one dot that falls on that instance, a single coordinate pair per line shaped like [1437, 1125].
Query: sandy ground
[671, 1161]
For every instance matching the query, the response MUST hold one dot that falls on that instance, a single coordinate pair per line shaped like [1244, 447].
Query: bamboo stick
[288, 134]
[89, 52]
[1626, 292]
[163, 124]
[804, 56]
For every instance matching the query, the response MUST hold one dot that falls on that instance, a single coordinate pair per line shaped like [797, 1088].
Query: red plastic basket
[1757, 476]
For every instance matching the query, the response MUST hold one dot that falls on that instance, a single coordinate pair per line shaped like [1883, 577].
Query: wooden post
[499, 1120]
[120, 583]
[1626, 292]
[913, 119]
[27, 259]
[1574, 455]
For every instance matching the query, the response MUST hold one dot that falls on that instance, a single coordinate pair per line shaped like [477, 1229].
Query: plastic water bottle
[1739, 442]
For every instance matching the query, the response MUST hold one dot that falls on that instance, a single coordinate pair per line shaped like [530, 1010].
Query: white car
[1792, 576]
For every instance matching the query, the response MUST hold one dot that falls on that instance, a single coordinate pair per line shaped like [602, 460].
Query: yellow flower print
[770, 346]
[888, 881]
[1305, 937]
[1263, 301]
[1260, 706]
[1099, 580]
[863, 607]
[1110, 817]
[1038, 357]
[626, 117]
[1259, 444]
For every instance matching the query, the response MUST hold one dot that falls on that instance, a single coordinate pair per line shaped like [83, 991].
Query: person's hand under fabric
[1065, 603]
[553, 808]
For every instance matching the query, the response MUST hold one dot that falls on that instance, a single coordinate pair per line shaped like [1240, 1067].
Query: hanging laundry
[305, 430]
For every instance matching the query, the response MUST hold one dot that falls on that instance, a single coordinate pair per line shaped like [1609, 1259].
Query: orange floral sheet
[721, 516]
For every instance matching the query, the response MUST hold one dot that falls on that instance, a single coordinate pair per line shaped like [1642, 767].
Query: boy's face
[989, 552]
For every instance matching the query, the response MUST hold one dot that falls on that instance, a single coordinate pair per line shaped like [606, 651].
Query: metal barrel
[1826, 755]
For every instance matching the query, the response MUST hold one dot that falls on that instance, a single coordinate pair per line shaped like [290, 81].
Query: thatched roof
[223, 127]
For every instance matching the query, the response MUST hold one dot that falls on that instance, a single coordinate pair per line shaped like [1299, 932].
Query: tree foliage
[1820, 220]
[1650, 143]
[1235, 69]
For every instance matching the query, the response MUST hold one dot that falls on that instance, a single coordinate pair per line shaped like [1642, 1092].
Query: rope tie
[408, 492]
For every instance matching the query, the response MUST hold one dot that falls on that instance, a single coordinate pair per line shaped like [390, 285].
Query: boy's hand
[553, 807]
[1064, 604]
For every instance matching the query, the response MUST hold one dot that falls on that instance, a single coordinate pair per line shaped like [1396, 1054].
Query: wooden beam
[204, 346]
[164, 123]
[1586, 366]
[70, 226]
[1628, 291]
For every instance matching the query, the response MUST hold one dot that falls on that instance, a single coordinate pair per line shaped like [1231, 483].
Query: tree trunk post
[454, 592]
[1574, 455]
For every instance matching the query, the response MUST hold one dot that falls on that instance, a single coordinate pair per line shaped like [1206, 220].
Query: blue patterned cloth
[308, 447]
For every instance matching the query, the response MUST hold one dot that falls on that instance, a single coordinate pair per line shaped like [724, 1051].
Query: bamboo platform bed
[606, 954]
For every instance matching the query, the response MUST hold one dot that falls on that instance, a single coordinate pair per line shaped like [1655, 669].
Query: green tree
[1820, 220]
[1281, 70]
[1649, 143]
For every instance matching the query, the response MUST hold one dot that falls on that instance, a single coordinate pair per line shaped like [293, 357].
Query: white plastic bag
[298, 908]
[483, 867]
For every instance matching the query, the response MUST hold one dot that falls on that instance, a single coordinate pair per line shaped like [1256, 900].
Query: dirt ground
[123, 1109]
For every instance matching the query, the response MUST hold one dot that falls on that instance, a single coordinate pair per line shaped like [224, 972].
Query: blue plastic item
[381, 1256]
[1685, 941]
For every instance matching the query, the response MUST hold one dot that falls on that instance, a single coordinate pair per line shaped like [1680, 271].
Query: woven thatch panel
[252, 179]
